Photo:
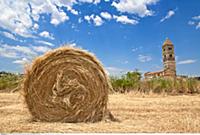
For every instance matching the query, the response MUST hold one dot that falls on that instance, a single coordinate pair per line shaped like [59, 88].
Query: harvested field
[138, 113]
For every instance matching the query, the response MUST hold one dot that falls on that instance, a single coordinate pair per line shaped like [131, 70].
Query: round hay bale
[66, 85]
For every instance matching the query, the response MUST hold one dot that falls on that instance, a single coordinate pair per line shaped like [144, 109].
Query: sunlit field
[137, 113]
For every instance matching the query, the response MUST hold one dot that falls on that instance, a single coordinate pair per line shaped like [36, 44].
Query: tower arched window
[165, 57]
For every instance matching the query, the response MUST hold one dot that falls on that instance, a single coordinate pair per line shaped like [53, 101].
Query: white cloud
[22, 61]
[97, 1]
[88, 1]
[10, 51]
[22, 54]
[115, 71]
[8, 54]
[189, 61]
[73, 11]
[134, 49]
[87, 18]
[44, 42]
[106, 15]
[144, 58]
[196, 17]
[80, 20]
[198, 26]
[58, 17]
[20, 16]
[46, 34]
[21, 49]
[17, 16]
[125, 20]
[9, 35]
[138, 7]
[72, 44]
[195, 22]
[191, 23]
[91, 1]
[95, 19]
[35, 26]
[41, 49]
[169, 15]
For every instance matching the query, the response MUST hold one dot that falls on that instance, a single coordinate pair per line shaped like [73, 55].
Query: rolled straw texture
[66, 85]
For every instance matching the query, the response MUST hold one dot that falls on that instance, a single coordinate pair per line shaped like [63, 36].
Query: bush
[157, 85]
[125, 83]
[9, 80]
[131, 81]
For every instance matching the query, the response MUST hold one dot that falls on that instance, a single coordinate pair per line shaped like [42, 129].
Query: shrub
[131, 81]
[9, 80]
[127, 82]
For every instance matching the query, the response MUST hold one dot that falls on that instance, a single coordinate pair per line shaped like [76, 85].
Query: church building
[169, 63]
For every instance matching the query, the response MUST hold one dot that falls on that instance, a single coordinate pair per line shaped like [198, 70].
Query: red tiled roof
[152, 73]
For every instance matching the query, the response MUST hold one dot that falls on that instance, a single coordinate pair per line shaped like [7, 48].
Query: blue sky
[124, 34]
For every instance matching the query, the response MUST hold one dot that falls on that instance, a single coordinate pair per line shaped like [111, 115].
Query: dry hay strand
[66, 85]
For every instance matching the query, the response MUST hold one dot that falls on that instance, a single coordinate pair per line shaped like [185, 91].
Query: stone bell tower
[169, 61]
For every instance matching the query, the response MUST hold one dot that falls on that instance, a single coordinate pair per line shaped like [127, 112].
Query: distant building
[169, 63]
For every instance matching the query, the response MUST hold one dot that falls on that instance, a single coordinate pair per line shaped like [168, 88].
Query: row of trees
[132, 81]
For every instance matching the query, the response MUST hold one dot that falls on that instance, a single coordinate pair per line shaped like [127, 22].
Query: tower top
[167, 42]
